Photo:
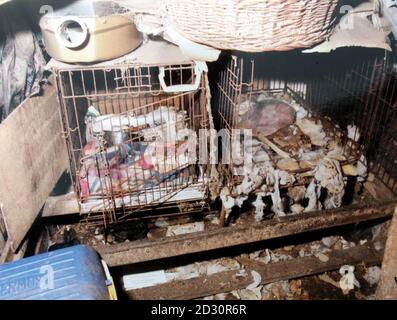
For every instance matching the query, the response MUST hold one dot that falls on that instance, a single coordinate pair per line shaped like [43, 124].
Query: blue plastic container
[74, 273]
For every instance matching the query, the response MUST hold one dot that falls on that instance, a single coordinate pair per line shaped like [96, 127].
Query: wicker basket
[253, 25]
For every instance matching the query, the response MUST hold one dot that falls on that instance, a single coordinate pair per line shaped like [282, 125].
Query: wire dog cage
[132, 134]
[342, 128]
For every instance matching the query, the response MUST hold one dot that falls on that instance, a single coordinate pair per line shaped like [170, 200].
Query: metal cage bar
[360, 93]
[129, 140]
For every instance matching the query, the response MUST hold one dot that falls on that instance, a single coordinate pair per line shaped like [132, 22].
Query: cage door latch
[199, 68]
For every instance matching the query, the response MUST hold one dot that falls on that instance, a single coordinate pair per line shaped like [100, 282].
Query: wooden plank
[228, 281]
[7, 255]
[194, 288]
[2, 239]
[379, 190]
[5, 252]
[34, 156]
[141, 251]
[61, 205]
[387, 289]
[307, 266]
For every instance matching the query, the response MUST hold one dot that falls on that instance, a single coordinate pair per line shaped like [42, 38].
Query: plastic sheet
[21, 60]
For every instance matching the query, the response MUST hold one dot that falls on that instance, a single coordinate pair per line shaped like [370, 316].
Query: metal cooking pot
[88, 36]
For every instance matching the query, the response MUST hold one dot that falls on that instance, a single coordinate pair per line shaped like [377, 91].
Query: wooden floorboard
[142, 251]
[224, 282]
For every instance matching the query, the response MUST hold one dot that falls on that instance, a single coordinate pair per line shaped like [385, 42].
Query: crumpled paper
[348, 280]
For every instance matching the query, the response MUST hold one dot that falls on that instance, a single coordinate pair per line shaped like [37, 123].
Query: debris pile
[130, 146]
[293, 164]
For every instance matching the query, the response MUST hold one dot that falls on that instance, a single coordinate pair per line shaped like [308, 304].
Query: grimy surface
[141, 251]
[34, 156]
[388, 284]
[233, 280]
